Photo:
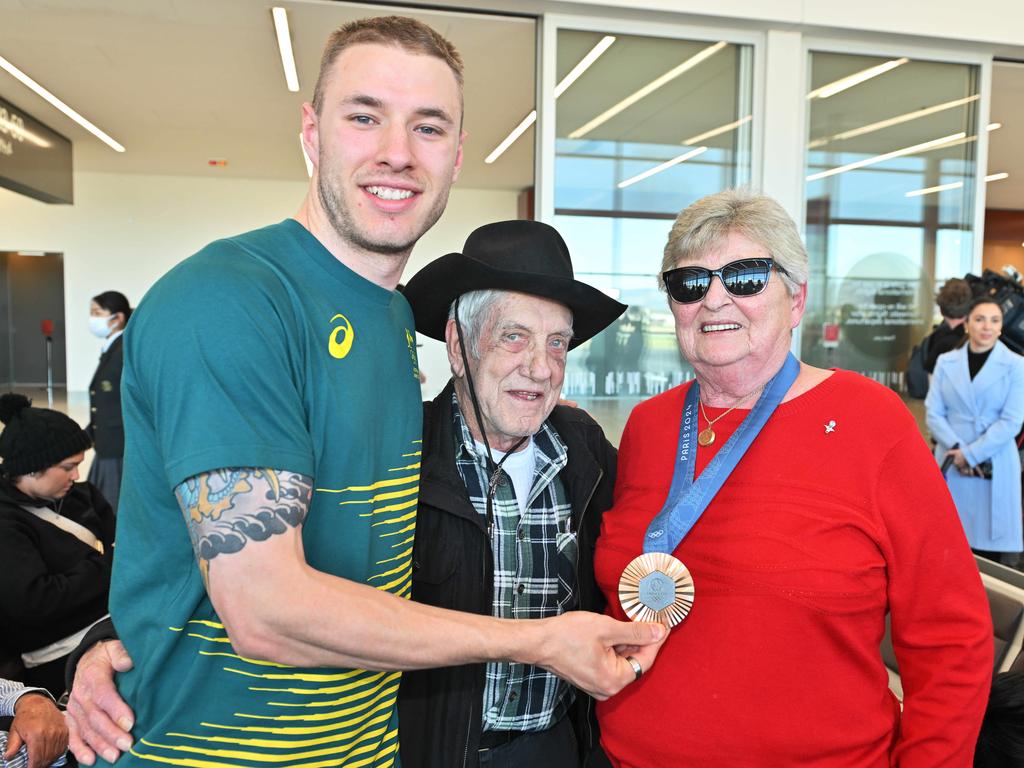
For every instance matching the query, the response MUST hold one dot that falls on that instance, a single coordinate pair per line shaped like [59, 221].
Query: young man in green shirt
[271, 397]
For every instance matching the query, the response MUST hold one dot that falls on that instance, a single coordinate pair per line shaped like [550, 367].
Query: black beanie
[36, 438]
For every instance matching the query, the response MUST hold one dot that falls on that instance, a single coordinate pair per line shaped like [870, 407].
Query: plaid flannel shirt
[534, 574]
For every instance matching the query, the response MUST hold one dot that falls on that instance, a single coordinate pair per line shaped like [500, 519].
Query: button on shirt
[534, 573]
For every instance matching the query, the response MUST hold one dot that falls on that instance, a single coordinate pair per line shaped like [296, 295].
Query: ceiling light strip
[717, 131]
[953, 185]
[888, 123]
[582, 66]
[648, 89]
[953, 140]
[663, 167]
[838, 86]
[53, 100]
[509, 140]
[932, 190]
[284, 45]
[922, 147]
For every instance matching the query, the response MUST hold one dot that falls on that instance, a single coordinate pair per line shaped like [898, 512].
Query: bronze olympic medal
[656, 587]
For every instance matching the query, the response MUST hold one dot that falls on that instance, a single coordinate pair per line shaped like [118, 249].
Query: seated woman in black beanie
[56, 541]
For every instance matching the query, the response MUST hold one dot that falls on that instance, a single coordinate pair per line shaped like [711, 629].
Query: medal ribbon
[687, 499]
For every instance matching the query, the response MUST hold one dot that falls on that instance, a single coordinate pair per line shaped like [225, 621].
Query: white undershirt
[107, 342]
[519, 467]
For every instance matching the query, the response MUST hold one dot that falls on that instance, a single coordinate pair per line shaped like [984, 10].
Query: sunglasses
[745, 277]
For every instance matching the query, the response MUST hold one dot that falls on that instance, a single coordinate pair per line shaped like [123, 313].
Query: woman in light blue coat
[975, 407]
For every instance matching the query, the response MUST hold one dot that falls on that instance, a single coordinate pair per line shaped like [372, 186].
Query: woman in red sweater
[805, 506]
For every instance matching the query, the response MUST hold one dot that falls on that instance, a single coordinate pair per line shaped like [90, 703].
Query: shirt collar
[549, 445]
[110, 340]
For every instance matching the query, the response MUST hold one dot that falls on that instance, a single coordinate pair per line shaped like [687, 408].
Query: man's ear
[311, 134]
[451, 343]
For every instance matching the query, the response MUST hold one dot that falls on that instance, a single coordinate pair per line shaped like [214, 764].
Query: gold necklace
[706, 436]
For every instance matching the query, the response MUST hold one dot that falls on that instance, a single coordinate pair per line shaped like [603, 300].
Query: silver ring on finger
[637, 669]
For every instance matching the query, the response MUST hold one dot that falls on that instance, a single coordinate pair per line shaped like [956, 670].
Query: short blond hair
[411, 35]
[704, 225]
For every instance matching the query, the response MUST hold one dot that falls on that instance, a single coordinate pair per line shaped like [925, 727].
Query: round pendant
[705, 437]
[656, 587]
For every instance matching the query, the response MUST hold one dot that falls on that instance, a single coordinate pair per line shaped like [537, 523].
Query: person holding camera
[975, 407]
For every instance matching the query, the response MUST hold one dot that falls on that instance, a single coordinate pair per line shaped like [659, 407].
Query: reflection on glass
[890, 191]
[650, 126]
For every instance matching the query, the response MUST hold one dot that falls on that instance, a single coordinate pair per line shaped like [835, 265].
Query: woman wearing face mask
[108, 316]
[975, 408]
[56, 541]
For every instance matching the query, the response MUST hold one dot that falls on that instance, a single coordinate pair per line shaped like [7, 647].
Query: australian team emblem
[339, 344]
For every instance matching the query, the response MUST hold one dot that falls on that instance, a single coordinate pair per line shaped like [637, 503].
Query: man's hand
[98, 718]
[40, 726]
[580, 647]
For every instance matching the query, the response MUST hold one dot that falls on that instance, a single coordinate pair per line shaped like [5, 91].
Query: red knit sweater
[813, 537]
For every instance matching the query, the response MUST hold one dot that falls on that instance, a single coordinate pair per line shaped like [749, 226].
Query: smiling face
[54, 482]
[984, 324]
[518, 376]
[737, 339]
[386, 145]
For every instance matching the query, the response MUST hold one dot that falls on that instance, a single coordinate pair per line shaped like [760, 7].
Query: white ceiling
[179, 82]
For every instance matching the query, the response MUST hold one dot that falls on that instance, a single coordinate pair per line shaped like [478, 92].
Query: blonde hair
[412, 35]
[704, 225]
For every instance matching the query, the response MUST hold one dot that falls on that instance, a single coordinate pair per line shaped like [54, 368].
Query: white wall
[987, 21]
[124, 231]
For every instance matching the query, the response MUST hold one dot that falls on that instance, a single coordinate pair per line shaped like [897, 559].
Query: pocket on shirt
[567, 546]
[568, 551]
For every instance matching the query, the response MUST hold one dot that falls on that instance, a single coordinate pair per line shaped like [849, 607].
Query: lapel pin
[830, 427]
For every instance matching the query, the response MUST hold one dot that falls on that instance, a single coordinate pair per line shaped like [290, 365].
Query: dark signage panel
[34, 160]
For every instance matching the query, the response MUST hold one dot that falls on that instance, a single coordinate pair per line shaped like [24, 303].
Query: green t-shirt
[263, 350]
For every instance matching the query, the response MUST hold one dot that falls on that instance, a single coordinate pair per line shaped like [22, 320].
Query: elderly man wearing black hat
[56, 538]
[511, 493]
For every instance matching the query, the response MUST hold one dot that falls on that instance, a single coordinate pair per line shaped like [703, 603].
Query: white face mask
[100, 326]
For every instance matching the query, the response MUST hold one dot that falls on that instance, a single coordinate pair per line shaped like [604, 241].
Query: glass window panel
[890, 204]
[644, 108]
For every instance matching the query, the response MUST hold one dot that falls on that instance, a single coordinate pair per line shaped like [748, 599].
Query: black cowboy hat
[524, 256]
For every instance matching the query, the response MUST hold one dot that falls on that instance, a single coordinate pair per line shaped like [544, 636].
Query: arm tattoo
[226, 508]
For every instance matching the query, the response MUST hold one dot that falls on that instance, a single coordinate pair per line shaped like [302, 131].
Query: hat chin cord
[492, 467]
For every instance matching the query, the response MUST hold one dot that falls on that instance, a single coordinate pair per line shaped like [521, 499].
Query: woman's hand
[958, 460]
[964, 468]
